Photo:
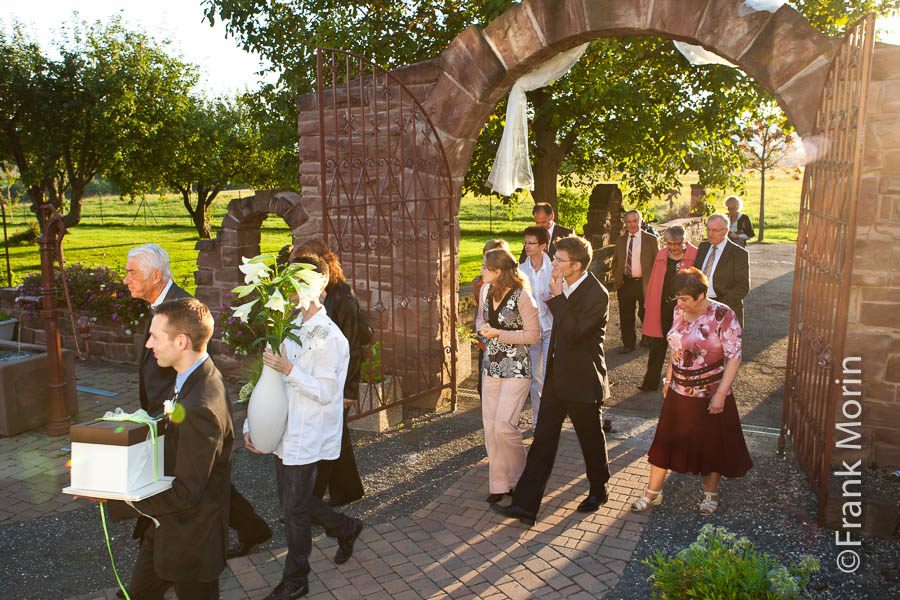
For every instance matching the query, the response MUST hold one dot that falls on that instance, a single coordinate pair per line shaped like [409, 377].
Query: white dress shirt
[719, 248]
[635, 240]
[315, 390]
[568, 289]
[540, 289]
[162, 295]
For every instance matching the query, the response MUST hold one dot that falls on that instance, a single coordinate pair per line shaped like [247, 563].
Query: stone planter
[380, 394]
[24, 394]
[7, 328]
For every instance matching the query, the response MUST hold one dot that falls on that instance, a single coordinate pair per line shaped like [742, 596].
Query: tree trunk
[545, 180]
[200, 215]
[548, 155]
[762, 204]
[73, 217]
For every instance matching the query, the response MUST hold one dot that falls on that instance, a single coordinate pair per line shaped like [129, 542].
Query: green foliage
[370, 370]
[721, 565]
[572, 208]
[253, 372]
[832, 17]
[28, 236]
[237, 335]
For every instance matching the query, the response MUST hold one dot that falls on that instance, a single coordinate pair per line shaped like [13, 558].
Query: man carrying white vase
[314, 373]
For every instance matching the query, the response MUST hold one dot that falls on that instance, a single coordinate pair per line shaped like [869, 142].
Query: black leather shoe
[592, 502]
[514, 512]
[626, 349]
[284, 591]
[247, 544]
[647, 388]
[494, 498]
[345, 544]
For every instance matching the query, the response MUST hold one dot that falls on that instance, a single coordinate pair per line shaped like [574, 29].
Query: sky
[224, 67]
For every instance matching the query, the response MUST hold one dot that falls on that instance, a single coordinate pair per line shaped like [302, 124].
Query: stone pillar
[698, 193]
[603, 227]
[873, 328]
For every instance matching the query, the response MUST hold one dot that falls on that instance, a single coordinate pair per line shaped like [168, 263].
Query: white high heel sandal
[708, 506]
[643, 503]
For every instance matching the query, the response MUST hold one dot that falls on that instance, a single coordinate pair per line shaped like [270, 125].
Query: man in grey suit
[726, 265]
[632, 264]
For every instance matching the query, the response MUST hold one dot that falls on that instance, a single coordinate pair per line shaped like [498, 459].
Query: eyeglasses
[562, 259]
[718, 230]
[674, 244]
[531, 244]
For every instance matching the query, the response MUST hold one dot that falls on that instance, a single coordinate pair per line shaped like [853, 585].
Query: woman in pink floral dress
[699, 430]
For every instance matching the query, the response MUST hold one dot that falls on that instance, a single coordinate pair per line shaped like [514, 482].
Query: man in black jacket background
[576, 383]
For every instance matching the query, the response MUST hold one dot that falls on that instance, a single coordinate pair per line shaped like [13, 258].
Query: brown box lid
[113, 433]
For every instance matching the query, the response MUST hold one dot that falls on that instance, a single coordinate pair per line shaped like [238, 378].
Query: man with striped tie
[725, 264]
[632, 264]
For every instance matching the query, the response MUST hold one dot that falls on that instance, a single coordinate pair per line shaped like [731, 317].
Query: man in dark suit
[632, 264]
[543, 217]
[726, 265]
[187, 547]
[149, 277]
[576, 382]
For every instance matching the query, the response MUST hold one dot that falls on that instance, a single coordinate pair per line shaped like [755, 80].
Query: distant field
[111, 226]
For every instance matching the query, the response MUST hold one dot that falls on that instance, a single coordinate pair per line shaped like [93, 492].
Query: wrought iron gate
[389, 209]
[825, 248]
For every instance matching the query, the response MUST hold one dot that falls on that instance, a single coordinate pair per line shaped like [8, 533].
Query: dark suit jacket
[649, 248]
[576, 369]
[731, 279]
[558, 232]
[189, 544]
[156, 382]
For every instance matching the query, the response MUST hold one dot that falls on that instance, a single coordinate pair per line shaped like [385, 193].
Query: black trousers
[655, 360]
[147, 585]
[295, 487]
[243, 519]
[340, 477]
[631, 299]
[589, 429]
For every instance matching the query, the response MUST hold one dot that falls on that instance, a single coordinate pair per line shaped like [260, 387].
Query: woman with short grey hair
[740, 228]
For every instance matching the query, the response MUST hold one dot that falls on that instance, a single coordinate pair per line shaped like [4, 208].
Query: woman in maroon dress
[699, 430]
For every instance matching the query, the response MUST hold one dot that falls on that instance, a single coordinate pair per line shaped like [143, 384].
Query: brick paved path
[457, 548]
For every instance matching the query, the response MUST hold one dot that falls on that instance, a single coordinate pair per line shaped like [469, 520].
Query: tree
[85, 113]
[210, 145]
[765, 142]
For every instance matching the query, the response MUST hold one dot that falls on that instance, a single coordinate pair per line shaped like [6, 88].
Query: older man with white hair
[725, 264]
[149, 277]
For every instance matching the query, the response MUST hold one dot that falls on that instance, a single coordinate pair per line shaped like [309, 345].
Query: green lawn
[111, 226]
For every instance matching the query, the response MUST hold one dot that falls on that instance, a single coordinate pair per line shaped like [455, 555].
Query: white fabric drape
[698, 55]
[512, 167]
[752, 6]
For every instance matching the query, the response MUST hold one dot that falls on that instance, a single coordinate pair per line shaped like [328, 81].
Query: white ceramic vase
[267, 411]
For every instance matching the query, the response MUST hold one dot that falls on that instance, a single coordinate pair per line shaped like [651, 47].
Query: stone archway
[781, 51]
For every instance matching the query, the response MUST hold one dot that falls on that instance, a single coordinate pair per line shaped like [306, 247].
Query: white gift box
[115, 457]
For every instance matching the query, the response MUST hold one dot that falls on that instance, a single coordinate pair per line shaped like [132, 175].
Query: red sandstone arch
[781, 51]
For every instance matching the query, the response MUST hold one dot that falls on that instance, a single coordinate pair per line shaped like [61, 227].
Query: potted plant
[277, 291]
[7, 326]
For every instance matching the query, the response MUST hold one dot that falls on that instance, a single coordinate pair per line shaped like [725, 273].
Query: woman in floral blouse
[699, 430]
[508, 321]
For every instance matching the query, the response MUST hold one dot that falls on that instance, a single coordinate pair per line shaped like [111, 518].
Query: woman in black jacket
[340, 477]
[740, 229]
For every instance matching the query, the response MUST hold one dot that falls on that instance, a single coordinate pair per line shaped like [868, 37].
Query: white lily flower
[253, 271]
[276, 302]
[243, 311]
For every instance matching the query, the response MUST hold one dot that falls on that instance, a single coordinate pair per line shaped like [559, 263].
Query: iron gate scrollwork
[389, 211]
[825, 247]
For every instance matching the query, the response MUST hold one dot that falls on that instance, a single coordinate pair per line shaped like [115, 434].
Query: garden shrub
[98, 292]
[721, 565]
[572, 208]
[243, 339]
